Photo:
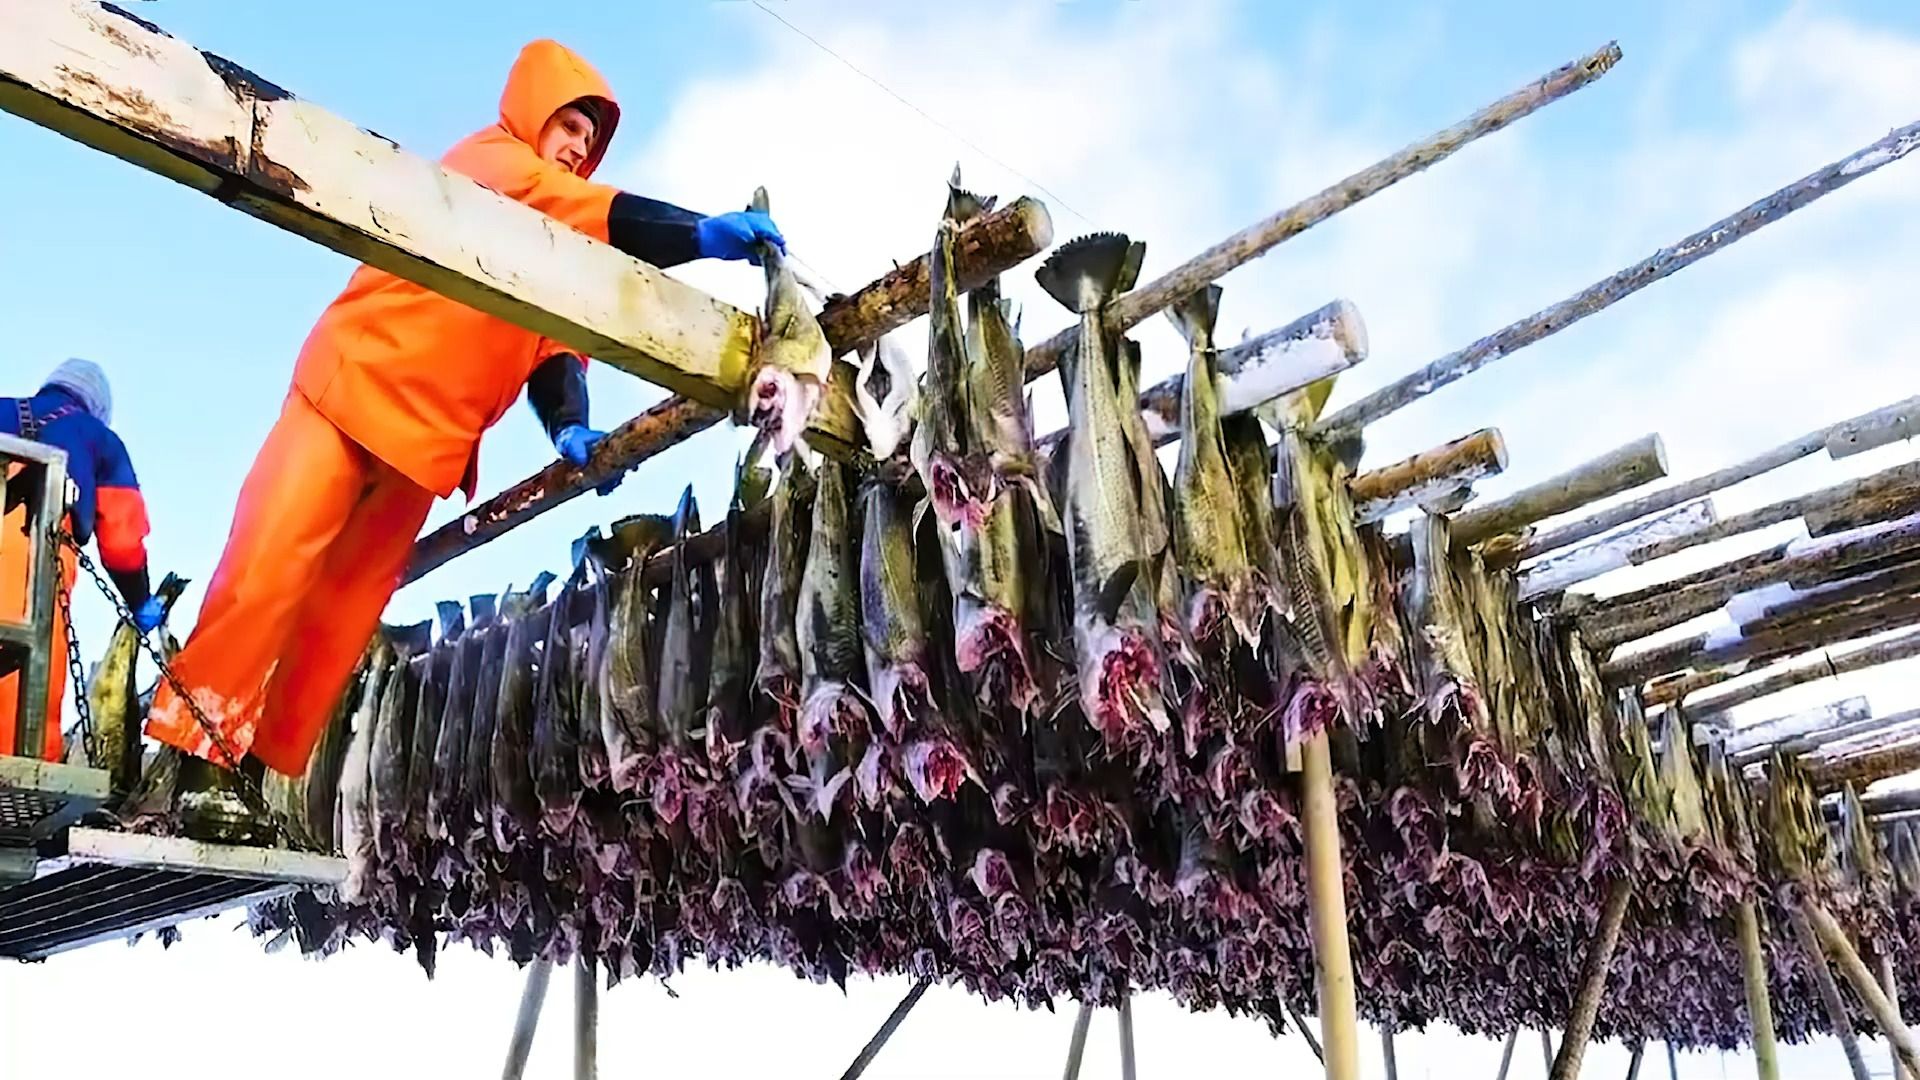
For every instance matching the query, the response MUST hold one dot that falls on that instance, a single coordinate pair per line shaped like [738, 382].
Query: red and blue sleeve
[120, 522]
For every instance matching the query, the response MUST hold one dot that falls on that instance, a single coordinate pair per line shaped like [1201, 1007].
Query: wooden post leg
[586, 1019]
[1387, 1054]
[1078, 1047]
[1633, 1063]
[1834, 939]
[531, 1000]
[1327, 912]
[1126, 1038]
[1753, 967]
[1891, 987]
[1506, 1054]
[1546, 1049]
[1306, 1032]
[1593, 982]
[1829, 992]
[1673, 1063]
[891, 1025]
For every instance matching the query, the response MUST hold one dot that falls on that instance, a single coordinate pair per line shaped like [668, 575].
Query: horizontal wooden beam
[1703, 651]
[1893, 492]
[1130, 309]
[1798, 671]
[1613, 552]
[1748, 739]
[1610, 290]
[1315, 346]
[1429, 477]
[1866, 767]
[1623, 468]
[1904, 722]
[984, 248]
[1847, 437]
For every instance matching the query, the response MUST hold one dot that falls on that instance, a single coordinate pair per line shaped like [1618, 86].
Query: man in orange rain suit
[72, 411]
[390, 395]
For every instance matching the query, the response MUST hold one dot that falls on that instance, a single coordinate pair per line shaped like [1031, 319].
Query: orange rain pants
[13, 608]
[320, 539]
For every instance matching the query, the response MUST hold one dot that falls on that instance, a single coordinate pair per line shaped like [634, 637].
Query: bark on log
[1593, 982]
[1901, 724]
[986, 247]
[1811, 669]
[1671, 688]
[1615, 552]
[1881, 427]
[1426, 476]
[1864, 768]
[1621, 469]
[1838, 598]
[1700, 652]
[1847, 958]
[1855, 500]
[1581, 605]
[1610, 624]
[1602, 293]
[1846, 437]
[1753, 973]
[1871, 738]
[1257, 239]
[1759, 739]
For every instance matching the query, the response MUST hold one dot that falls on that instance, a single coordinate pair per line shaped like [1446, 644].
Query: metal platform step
[112, 885]
[39, 798]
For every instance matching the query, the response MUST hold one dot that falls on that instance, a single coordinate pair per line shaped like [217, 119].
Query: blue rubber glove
[575, 442]
[737, 235]
[148, 615]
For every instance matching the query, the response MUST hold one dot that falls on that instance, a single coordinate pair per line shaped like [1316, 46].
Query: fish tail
[1083, 272]
[963, 205]
[1195, 316]
[759, 201]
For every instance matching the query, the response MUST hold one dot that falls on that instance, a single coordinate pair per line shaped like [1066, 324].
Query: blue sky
[1176, 121]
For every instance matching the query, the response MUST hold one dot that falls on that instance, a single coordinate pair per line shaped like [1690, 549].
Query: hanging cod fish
[960, 483]
[1116, 628]
[686, 657]
[834, 728]
[795, 359]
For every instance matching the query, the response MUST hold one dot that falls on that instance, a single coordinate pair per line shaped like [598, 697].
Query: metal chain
[249, 790]
[81, 706]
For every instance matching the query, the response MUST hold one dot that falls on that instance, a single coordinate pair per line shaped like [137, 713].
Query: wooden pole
[1603, 293]
[1593, 982]
[1887, 491]
[986, 247]
[1546, 1049]
[1673, 1063]
[1327, 912]
[532, 998]
[1639, 462]
[1701, 651]
[1130, 309]
[1077, 1046]
[1836, 1008]
[586, 1020]
[1755, 742]
[1428, 476]
[1615, 552]
[1127, 1069]
[1753, 971]
[1847, 958]
[1891, 987]
[1506, 1054]
[887, 1028]
[1852, 436]
[1306, 1032]
[1864, 768]
[1387, 1055]
[1903, 723]
[1821, 665]
[1633, 1063]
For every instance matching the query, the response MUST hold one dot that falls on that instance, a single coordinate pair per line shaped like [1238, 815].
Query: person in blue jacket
[72, 411]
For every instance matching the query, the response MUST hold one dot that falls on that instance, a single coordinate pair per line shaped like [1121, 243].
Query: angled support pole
[532, 999]
[586, 1019]
[1633, 1063]
[887, 1028]
[1885, 1014]
[1593, 982]
[1128, 1070]
[1506, 1054]
[1753, 972]
[1077, 1046]
[1306, 1032]
[1836, 1007]
[1327, 913]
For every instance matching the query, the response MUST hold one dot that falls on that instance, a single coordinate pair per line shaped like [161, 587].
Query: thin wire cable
[975, 147]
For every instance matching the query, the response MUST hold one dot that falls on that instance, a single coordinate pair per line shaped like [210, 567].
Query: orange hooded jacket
[416, 378]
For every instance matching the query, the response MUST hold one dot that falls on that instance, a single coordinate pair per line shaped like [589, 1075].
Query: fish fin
[483, 606]
[1114, 591]
[759, 200]
[1083, 272]
[963, 205]
[453, 618]
[538, 589]
[413, 637]
[1195, 316]
[1130, 270]
[1011, 312]
[639, 536]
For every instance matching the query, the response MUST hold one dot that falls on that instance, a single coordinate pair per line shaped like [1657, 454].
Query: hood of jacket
[546, 77]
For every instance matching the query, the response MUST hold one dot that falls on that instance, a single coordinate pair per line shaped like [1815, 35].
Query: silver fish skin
[960, 483]
[624, 678]
[516, 808]
[356, 780]
[788, 529]
[686, 657]
[795, 359]
[892, 629]
[1209, 539]
[831, 653]
[393, 737]
[1115, 628]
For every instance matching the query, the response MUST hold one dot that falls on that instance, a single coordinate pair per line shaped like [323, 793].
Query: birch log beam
[1616, 552]
[1864, 768]
[1427, 476]
[1077, 1045]
[1890, 493]
[1130, 309]
[1611, 290]
[1757, 741]
[1593, 982]
[1702, 651]
[1622, 469]
[1866, 432]
[1847, 959]
[1810, 669]
[1753, 974]
[1901, 724]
